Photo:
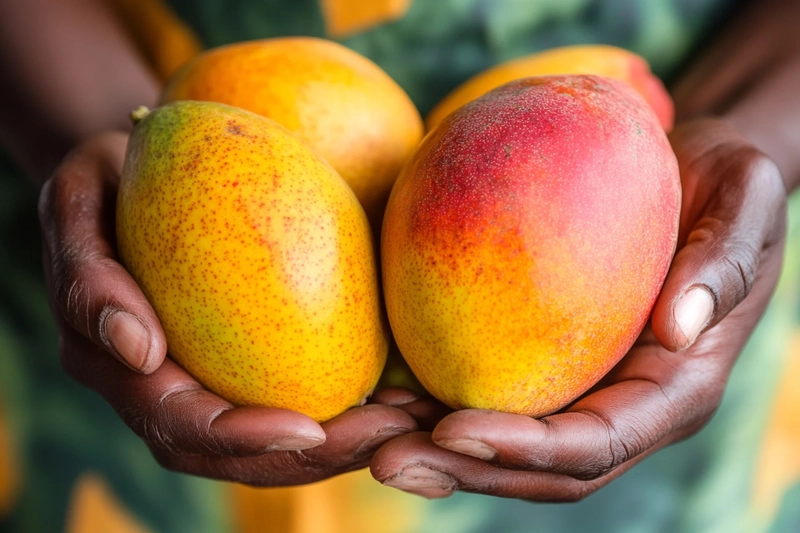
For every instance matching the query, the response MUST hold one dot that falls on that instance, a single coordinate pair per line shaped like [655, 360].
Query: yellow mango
[599, 60]
[338, 101]
[256, 257]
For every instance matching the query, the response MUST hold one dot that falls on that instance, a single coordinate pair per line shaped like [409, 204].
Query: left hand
[668, 386]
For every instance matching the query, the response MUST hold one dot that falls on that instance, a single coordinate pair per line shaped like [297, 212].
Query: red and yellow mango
[525, 242]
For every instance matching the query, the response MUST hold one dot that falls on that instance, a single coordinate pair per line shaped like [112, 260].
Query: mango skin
[526, 241]
[256, 257]
[341, 103]
[600, 60]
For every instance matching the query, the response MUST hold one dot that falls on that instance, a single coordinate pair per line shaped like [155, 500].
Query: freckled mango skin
[256, 257]
[525, 242]
[599, 60]
[345, 106]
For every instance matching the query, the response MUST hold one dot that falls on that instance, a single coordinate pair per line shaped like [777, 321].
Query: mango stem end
[138, 114]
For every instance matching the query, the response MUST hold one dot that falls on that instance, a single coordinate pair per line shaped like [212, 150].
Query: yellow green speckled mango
[256, 257]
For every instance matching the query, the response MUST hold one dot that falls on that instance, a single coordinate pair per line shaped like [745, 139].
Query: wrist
[769, 116]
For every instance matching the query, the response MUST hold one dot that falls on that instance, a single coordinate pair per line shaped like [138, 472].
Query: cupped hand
[101, 312]
[670, 383]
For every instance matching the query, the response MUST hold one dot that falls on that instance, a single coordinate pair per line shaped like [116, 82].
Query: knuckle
[739, 271]
[765, 176]
[154, 433]
[147, 423]
[80, 290]
[621, 448]
[764, 184]
[733, 255]
[175, 425]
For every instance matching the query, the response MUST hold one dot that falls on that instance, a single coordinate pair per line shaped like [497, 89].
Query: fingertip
[679, 322]
[393, 396]
[367, 417]
[258, 430]
[394, 455]
[471, 447]
[422, 481]
[466, 422]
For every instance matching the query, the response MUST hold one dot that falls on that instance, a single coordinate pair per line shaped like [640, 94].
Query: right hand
[101, 312]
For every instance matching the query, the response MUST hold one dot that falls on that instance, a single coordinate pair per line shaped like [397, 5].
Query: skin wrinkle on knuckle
[619, 451]
[196, 428]
[530, 456]
[161, 429]
[74, 289]
[299, 467]
[316, 460]
[671, 405]
[740, 271]
[158, 439]
[737, 259]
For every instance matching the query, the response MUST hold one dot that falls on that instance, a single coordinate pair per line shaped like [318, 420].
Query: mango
[600, 60]
[341, 103]
[256, 256]
[525, 242]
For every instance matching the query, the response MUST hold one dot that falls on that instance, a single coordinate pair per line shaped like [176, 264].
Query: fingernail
[420, 478]
[693, 312]
[369, 447]
[403, 396]
[431, 494]
[295, 444]
[473, 448]
[129, 338]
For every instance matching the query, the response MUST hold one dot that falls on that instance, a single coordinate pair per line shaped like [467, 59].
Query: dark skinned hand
[670, 383]
[101, 312]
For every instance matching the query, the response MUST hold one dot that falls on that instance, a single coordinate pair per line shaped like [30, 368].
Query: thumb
[740, 219]
[88, 288]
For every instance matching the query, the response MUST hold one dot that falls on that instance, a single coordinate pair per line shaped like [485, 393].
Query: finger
[394, 396]
[357, 433]
[352, 439]
[174, 415]
[415, 464]
[731, 224]
[91, 290]
[601, 431]
[426, 410]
